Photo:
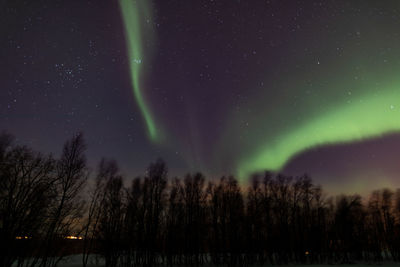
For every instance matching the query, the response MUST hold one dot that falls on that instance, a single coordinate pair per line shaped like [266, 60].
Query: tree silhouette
[39, 201]
[25, 198]
[112, 214]
[277, 219]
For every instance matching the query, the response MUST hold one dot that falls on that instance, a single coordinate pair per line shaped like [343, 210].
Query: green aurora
[370, 116]
[134, 14]
[354, 97]
[329, 116]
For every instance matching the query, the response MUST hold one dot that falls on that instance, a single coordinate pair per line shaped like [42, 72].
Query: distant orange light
[22, 237]
[307, 253]
[73, 237]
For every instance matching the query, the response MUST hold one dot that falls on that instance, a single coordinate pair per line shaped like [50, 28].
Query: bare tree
[26, 180]
[67, 205]
[194, 218]
[154, 197]
[107, 171]
[112, 214]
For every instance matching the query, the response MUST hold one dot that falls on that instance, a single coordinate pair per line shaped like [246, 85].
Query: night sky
[225, 87]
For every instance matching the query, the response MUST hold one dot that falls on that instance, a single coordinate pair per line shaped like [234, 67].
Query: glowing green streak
[369, 117]
[133, 13]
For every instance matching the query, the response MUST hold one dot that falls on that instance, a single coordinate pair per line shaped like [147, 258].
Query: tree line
[159, 220]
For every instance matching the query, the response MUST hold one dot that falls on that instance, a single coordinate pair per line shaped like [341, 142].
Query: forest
[157, 220]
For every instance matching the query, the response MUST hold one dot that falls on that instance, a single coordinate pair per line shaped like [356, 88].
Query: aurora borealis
[371, 116]
[224, 87]
[135, 14]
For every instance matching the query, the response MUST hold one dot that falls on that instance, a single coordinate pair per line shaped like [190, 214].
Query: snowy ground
[76, 261]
